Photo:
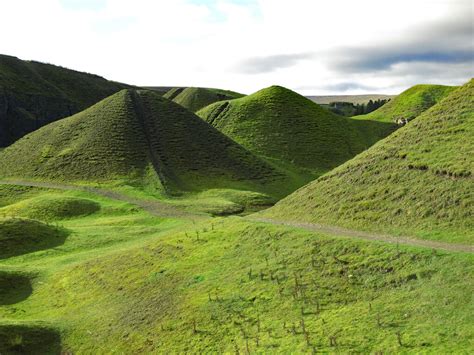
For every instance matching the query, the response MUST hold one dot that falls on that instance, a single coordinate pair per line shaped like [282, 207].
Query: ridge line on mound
[352, 233]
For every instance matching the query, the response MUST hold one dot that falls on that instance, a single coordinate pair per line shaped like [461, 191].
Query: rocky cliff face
[34, 94]
[21, 114]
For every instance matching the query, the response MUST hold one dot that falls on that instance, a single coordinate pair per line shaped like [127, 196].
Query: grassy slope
[410, 103]
[194, 98]
[228, 285]
[279, 124]
[140, 138]
[418, 180]
[33, 94]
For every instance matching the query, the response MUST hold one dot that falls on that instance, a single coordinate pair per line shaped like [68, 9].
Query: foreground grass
[124, 281]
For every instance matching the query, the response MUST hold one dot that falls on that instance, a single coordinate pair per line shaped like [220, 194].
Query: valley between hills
[201, 220]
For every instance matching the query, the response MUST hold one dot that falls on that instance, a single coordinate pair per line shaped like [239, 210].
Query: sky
[315, 47]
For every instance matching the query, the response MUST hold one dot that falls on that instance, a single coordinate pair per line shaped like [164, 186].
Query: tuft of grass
[418, 180]
[292, 131]
[195, 99]
[410, 103]
[37, 94]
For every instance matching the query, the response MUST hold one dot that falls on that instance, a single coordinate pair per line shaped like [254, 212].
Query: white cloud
[200, 42]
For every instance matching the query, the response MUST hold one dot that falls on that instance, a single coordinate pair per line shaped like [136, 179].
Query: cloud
[271, 63]
[347, 86]
[448, 42]
[244, 45]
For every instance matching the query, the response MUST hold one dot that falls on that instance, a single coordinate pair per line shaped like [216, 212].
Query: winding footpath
[350, 233]
[161, 209]
[154, 207]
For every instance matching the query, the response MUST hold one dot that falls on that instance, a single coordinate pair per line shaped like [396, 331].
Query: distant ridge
[355, 99]
[141, 138]
[194, 98]
[33, 94]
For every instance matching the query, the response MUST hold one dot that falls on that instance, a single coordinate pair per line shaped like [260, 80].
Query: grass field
[136, 227]
[419, 180]
[223, 285]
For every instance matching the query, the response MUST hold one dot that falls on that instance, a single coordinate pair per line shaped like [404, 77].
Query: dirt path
[154, 207]
[344, 232]
[162, 209]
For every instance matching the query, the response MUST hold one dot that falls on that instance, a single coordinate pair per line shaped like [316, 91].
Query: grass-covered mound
[194, 98]
[14, 287]
[228, 286]
[28, 339]
[20, 236]
[280, 124]
[418, 180]
[409, 104]
[33, 94]
[144, 139]
[49, 207]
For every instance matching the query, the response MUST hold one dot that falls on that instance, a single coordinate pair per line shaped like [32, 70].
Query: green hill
[33, 94]
[409, 104]
[196, 98]
[281, 125]
[140, 138]
[418, 180]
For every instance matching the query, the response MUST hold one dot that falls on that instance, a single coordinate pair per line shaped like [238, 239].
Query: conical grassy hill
[194, 98]
[419, 180]
[137, 137]
[282, 125]
[410, 103]
[33, 94]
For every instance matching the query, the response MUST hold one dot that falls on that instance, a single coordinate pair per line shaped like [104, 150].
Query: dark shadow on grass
[28, 339]
[22, 236]
[14, 288]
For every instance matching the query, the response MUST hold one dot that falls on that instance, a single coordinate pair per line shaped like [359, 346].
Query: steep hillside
[138, 137]
[282, 125]
[33, 94]
[409, 104]
[418, 180]
[196, 98]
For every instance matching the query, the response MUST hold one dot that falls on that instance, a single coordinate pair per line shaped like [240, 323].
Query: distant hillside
[33, 94]
[417, 180]
[410, 103]
[286, 127]
[159, 89]
[196, 98]
[355, 99]
[141, 138]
